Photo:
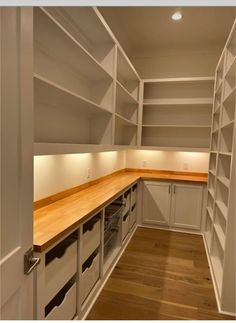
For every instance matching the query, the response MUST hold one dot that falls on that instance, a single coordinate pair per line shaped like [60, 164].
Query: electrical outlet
[88, 173]
[144, 163]
[185, 166]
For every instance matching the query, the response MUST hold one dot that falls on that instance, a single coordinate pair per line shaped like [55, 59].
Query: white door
[156, 202]
[16, 301]
[186, 206]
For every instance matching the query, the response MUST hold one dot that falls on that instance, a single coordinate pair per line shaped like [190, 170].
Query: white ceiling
[147, 29]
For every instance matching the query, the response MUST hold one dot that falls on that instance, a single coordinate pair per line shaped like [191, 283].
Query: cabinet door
[156, 203]
[186, 206]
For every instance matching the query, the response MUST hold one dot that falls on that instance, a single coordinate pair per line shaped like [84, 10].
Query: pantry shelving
[125, 131]
[126, 75]
[176, 113]
[86, 89]
[220, 211]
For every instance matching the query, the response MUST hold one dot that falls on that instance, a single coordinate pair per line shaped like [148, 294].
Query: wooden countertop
[53, 221]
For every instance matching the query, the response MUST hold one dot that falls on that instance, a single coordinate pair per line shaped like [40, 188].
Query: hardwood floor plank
[162, 275]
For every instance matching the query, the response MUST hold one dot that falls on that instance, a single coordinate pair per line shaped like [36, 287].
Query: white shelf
[175, 101]
[210, 212]
[219, 89]
[125, 132]
[124, 95]
[174, 148]
[54, 94]
[62, 116]
[229, 95]
[211, 191]
[126, 74]
[228, 124]
[47, 148]
[66, 46]
[219, 86]
[224, 180]
[218, 271]
[88, 29]
[220, 235]
[225, 153]
[181, 80]
[175, 126]
[188, 137]
[125, 121]
[217, 110]
[125, 67]
[223, 208]
[231, 69]
[213, 172]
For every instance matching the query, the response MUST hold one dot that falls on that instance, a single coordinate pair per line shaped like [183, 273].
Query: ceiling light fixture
[177, 16]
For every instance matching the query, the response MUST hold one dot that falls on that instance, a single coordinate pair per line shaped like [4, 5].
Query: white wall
[53, 174]
[168, 160]
[181, 63]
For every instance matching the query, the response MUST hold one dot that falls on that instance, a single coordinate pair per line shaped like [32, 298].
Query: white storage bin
[125, 225]
[67, 309]
[60, 270]
[133, 195]
[127, 202]
[132, 218]
[89, 277]
[90, 240]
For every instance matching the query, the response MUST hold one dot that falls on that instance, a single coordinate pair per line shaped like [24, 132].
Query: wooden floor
[162, 275]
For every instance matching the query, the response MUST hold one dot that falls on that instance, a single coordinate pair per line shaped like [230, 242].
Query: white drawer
[67, 309]
[127, 203]
[90, 240]
[125, 225]
[60, 270]
[132, 218]
[89, 277]
[133, 195]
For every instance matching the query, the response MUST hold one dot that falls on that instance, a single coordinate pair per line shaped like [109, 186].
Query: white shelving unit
[220, 211]
[86, 89]
[176, 113]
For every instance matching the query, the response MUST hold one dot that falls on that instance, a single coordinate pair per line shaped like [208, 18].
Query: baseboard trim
[109, 272]
[149, 226]
[212, 274]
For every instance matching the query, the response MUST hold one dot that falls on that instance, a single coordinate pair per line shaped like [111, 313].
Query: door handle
[169, 188]
[30, 262]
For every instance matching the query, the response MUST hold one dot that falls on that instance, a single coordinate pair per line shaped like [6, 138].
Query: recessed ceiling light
[177, 16]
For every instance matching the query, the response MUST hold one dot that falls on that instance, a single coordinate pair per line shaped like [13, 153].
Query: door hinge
[30, 262]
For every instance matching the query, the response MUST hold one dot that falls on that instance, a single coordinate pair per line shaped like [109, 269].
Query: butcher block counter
[53, 221]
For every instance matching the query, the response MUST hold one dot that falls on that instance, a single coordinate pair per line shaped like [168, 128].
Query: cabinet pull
[169, 188]
[174, 189]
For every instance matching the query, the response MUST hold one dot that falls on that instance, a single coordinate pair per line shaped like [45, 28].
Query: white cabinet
[171, 204]
[156, 203]
[186, 206]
